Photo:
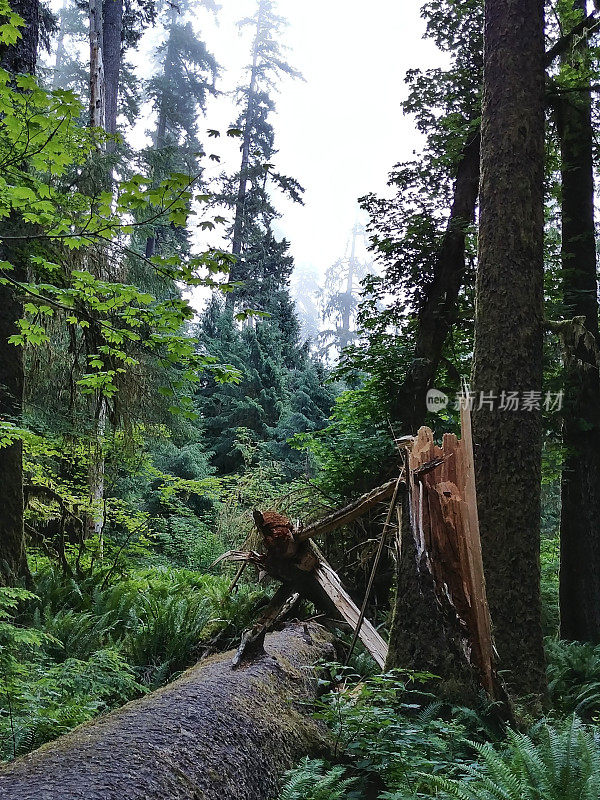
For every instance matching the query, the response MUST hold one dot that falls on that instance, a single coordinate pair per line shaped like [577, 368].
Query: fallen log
[214, 734]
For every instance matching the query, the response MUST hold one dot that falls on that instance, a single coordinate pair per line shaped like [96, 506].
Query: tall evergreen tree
[116, 26]
[186, 76]
[262, 262]
[509, 333]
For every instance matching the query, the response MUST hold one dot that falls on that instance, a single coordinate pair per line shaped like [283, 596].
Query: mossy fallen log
[214, 734]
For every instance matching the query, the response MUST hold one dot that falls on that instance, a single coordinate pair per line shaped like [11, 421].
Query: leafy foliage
[390, 732]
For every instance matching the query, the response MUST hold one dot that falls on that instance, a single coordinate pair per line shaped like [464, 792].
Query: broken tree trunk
[342, 604]
[291, 557]
[441, 571]
[215, 734]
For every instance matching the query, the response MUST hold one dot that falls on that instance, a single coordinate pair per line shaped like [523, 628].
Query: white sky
[340, 131]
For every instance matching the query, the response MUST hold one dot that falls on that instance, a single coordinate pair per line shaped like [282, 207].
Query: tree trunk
[22, 56]
[438, 313]
[19, 58]
[161, 125]
[580, 510]
[345, 335]
[111, 55]
[13, 559]
[240, 202]
[60, 49]
[216, 734]
[421, 636]
[425, 635]
[509, 332]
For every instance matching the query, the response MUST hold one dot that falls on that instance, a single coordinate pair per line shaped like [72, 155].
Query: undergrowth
[394, 741]
[76, 649]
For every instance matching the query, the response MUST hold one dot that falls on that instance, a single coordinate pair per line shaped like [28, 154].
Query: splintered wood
[444, 521]
[291, 557]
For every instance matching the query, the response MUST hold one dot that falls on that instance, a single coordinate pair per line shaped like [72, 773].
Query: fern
[169, 635]
[574, 677]
[313, 780]
[559, 764]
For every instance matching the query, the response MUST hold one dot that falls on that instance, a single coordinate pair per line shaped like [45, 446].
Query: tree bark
[433, 640]
[13, 559]
[18, 58]
[97, 91]
[216, 734]
[509, 332]
[580, 508]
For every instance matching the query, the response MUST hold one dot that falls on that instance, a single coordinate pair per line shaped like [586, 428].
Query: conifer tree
[340, 298]
[262, 262]
[186, 76]
[281, 391]
[509, 333]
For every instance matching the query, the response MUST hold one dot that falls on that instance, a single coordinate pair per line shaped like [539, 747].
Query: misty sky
[341, 130]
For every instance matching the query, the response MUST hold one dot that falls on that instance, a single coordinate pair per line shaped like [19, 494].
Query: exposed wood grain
[446, 531]
[330, 583]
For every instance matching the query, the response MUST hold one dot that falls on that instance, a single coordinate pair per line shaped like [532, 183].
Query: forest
[278, 531]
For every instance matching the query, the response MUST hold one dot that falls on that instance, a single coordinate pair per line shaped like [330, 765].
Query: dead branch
[349, 513]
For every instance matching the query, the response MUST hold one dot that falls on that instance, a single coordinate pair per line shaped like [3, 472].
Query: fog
[341, 129]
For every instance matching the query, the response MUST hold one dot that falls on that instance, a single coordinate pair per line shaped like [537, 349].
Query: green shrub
[550, 561]
[74, 634]
[392, 730]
